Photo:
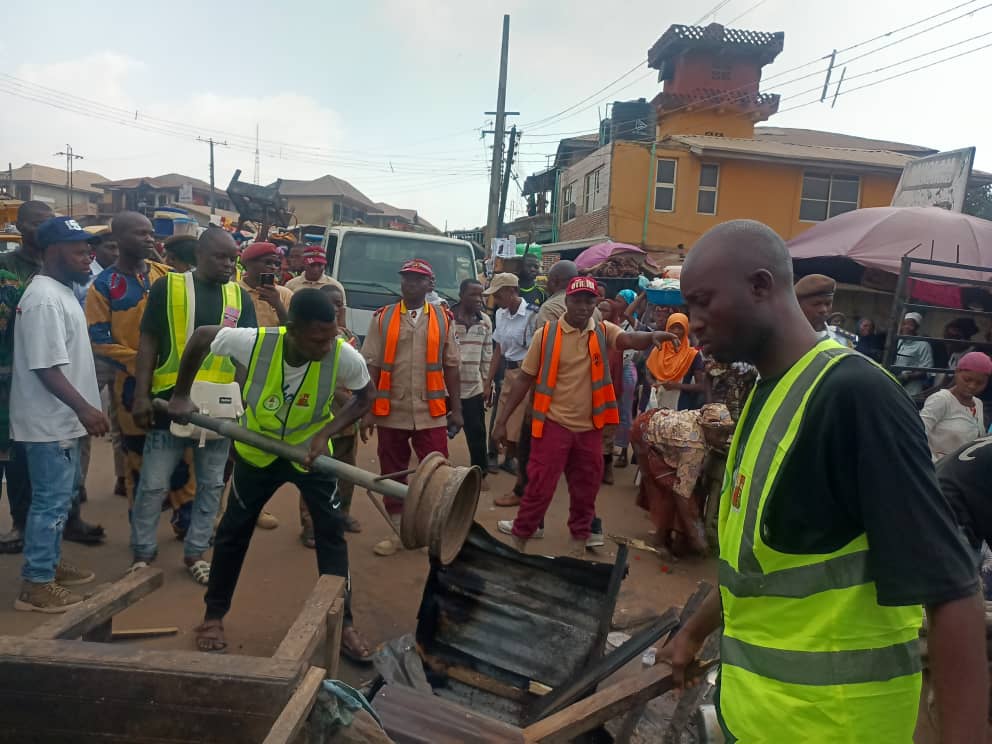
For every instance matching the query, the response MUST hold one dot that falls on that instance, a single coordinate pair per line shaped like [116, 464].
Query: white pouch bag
[215, 399]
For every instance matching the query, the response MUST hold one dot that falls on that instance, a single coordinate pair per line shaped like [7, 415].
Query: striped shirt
[475, 344]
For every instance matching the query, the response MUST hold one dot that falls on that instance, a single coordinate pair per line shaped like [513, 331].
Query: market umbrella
[878, 238]
[598, 253]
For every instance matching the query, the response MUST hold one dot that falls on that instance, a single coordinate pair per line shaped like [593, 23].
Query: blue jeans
[53, 468]
[163, 451]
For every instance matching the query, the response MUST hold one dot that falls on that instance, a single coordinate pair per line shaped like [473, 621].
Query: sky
[390, 94]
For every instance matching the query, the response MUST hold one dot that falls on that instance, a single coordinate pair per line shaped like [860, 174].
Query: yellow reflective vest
[808, 654]
[179, 292]
[267, 411]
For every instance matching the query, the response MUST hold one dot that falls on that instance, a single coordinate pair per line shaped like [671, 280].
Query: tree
[978, 201]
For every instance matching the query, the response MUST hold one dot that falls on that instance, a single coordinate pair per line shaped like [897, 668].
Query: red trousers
[580, 456]
[393, 447]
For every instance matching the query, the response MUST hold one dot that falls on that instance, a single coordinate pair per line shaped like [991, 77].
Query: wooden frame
[61, 682]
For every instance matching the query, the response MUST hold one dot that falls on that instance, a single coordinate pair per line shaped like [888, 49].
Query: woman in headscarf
[954, 416]
[678, 371]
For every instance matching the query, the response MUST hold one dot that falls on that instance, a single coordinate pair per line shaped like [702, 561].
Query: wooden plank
[412, 717]
[610, 702]
[307, 636]
[102, 633]
[600, 707]
[294, 715]
[102, 606]
[603, 668]
[335, 627]
[127, 634]
[76, 673]
[476, 679]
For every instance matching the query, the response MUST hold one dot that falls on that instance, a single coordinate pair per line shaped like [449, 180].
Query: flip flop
[350, 653]
[351, 524]
[210, 637]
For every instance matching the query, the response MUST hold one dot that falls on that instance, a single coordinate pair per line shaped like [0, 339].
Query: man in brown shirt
[567, 428]
[403, 340]
[262, 262]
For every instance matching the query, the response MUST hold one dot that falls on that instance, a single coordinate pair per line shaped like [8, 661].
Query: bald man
[213, 299]
[834, 534]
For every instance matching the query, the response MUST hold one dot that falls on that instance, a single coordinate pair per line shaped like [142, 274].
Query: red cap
[582, 284]
[260, 250]
[417, 266]
[314, 257]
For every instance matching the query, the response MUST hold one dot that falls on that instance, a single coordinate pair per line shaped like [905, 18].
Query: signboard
[504, 247]
[186, 192]
[939, 180]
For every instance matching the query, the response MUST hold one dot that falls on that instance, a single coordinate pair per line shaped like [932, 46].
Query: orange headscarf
[667, 364]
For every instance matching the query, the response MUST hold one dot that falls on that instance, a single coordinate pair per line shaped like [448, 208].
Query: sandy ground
[279, 572]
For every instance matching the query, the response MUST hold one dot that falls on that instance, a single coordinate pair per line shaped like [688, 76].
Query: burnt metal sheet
[515, 618]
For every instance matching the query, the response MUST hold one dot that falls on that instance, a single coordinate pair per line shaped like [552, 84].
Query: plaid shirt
[475, 344]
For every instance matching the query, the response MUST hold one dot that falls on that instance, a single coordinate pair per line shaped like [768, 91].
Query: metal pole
[213, 195]
[506, 181]
[294, 453]
[898, 306]
[497, 164]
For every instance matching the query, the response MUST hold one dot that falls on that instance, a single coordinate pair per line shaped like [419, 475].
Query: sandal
[307, 538]
[351, 524]
[210, 637]
[200, 571]
[354, 647]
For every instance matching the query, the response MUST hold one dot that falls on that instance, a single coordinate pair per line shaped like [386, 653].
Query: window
[567, 205]
[709, 181]
[721, 71]
[591, 190]
[664, 185]
[826, 195]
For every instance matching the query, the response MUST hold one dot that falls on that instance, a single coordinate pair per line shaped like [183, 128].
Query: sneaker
[12, 542]
[267, 521]
[49, 598]
[595, 540]
[68, 575]
[506, 527]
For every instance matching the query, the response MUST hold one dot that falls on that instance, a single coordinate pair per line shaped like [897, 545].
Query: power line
[753, 7]
[712, 12]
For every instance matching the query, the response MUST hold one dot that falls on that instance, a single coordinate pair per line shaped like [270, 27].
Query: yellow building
[700, 160]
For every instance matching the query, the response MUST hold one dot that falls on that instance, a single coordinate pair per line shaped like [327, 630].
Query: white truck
[367, 262]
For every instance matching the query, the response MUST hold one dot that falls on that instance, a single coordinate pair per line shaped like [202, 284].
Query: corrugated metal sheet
[513, 619]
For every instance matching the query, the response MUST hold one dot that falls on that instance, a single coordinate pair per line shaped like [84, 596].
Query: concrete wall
[576, 177]
[55, 196]
[748, 189]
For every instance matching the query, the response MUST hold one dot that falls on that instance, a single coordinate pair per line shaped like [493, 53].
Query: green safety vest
[268, 413]
[808, 654]
[179, 293]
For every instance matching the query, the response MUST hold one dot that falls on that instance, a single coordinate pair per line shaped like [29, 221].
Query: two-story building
[145, 194]
[396, 218]
[707, 162]
[32, 182]
[327, 199]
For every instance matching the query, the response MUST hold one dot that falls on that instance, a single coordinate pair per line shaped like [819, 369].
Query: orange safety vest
[604, 400]
[437, 333]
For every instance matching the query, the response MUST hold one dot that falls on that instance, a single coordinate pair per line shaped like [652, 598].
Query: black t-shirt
[966, 479]
[860, 463]
[209, 300]
[534, 295]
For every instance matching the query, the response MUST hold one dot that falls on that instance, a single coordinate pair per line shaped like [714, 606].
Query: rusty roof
[760, 149]
[818, 138]
[165, 181]
[764, 45]
[327, 185]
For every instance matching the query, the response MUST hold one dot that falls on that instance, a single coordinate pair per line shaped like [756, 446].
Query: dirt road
[279, 571]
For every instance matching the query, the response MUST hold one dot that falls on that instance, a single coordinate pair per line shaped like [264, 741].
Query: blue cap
[60, 230]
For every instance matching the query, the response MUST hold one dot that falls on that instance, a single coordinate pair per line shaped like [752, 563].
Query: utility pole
[213, 195]
[69, 157]
[506, 181]
[499, 132]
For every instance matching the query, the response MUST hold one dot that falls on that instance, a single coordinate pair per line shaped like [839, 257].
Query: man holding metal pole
[292, 374]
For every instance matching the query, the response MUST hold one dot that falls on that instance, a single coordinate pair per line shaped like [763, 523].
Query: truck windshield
[369, 261]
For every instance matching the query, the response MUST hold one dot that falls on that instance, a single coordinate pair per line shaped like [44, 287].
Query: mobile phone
[267, 280]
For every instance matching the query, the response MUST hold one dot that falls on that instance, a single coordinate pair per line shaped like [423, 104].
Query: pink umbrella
[878, 237]
[598, 253]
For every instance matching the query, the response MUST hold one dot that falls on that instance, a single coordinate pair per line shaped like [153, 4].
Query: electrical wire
[753, 7]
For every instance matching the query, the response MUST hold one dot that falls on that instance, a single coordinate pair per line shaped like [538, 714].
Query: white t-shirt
[50, 331]
[238, 343]
[949, 424]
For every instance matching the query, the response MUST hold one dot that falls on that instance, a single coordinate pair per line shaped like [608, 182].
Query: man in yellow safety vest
[292, 375]
[834, 535]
